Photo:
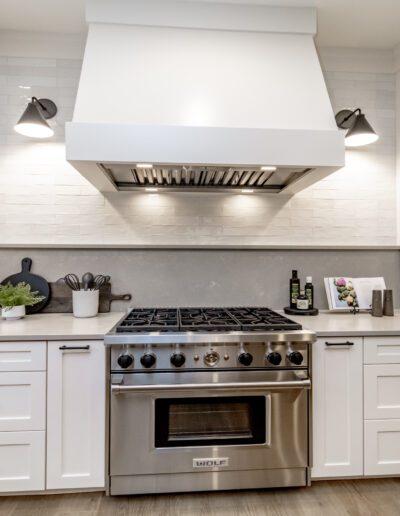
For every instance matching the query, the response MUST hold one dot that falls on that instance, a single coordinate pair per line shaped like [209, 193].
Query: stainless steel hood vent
[200, 178]
[206, 92]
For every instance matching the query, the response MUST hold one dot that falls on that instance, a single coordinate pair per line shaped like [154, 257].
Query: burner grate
[150, 319]
[207, 319]
[261, 319]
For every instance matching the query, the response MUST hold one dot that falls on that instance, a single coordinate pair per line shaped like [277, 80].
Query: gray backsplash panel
[208, 277]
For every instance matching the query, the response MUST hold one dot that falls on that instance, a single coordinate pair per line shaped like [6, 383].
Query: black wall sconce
[359, 131]
[33, 120]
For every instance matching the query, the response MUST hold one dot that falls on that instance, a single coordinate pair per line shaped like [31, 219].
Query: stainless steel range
[208, 399]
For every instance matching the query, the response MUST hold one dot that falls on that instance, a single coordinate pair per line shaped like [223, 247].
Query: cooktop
[249, 319]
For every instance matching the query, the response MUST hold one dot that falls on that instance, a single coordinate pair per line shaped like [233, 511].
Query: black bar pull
[67, 348]
[347, 343]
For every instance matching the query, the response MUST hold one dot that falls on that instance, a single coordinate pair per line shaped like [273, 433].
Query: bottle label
[295, 293]
[309, 295]
[302, 304]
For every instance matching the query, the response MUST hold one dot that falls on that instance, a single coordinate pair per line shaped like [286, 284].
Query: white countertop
[58, 327]
[68, 327]
[331, 324]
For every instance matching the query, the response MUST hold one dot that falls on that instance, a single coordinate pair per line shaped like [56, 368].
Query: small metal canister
[377, 303]
[388, 302]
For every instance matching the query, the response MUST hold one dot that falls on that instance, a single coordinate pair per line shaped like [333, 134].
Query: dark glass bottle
[309, 291]
[294, 289]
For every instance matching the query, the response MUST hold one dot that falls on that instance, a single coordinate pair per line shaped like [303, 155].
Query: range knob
[148, 360]
[295, 357]
[125, 360]
[274, 358]
[245, 358]
[178, 359]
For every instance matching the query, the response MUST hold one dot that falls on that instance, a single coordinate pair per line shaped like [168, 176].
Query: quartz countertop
[58, 327]
[334, 324]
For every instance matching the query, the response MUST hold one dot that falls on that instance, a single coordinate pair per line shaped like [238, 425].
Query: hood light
[268, 169]
[144, 165]
[359, 131]
[247, 190]
[33, 120]
[151, 189]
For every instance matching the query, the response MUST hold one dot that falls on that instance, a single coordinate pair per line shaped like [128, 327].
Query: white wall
[43, 200]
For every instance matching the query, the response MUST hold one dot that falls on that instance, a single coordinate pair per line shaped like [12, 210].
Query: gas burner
[262, 319]
[150, 319]
[207, 319]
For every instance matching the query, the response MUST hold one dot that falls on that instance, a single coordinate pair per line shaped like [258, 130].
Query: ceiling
[346, 23]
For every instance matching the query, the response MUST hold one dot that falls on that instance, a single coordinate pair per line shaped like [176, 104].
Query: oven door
[202, 421]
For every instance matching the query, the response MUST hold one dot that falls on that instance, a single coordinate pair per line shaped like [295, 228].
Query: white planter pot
[85, 303]
[12, 313]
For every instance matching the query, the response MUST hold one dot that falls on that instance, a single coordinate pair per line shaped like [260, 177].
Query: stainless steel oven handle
[295, 384]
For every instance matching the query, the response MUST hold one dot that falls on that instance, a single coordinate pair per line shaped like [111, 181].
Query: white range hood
[207, 93]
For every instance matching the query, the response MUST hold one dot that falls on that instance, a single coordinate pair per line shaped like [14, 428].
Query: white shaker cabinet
[382, 405]
[22, 416]
[337, 407]
[76, 415]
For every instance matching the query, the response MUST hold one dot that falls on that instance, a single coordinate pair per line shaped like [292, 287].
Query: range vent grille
[200, 178]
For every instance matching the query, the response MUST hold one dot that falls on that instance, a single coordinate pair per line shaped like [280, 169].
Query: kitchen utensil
[85, 303]
[106, 298]
[36, 282]
[388, 302]
[87, 280]
[98, 282]
[376, 303]
[72, 281]
[61, 298]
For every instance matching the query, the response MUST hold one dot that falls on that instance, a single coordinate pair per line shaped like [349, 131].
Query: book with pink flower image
[346, 293]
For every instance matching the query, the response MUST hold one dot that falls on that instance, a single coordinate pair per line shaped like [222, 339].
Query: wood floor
[334, 498]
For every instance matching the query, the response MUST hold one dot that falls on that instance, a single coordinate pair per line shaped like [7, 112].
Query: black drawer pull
[339, 343]
[67, 348]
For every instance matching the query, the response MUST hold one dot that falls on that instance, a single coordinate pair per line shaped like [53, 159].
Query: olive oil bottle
[309, 291]
[294, 289]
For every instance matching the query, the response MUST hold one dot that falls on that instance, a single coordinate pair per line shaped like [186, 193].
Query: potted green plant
[14, 299]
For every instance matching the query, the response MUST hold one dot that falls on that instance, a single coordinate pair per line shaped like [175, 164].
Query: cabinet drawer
[22, 356]
[382, 350]
[382, 447]
[22, 401]
[22, 461]
[382, 391]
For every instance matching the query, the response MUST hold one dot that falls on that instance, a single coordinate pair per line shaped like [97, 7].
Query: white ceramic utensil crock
[85, 303]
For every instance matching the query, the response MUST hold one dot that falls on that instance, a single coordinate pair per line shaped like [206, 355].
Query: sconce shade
[33, 120]
[359, 131]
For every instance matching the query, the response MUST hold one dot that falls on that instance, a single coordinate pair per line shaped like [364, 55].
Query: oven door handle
[295, 384]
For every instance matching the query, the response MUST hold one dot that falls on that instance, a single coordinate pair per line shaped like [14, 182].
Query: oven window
[210, 421]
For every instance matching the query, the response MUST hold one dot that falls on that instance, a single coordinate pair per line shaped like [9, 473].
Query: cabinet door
[22, 401]
[382, 447]
[337, 407]
[382, 350]
[75, 414]
[22, 356]
[22, 461]
[382, 391]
